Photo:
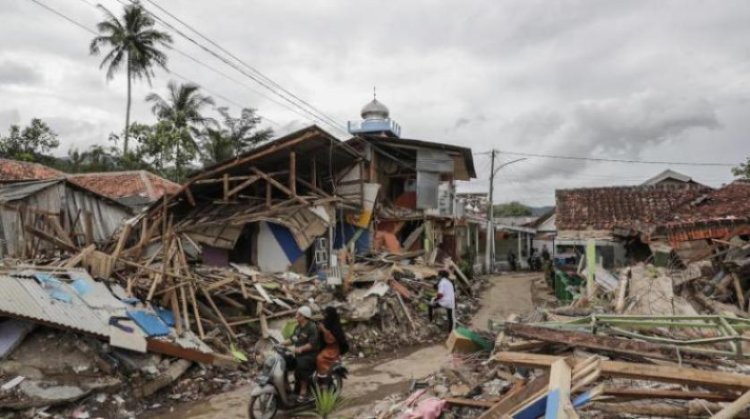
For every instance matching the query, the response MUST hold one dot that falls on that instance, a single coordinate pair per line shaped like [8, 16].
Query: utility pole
[490, 248]
[490, 251]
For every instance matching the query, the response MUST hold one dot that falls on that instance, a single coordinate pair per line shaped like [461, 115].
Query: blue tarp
[166, 316]
[149, 322]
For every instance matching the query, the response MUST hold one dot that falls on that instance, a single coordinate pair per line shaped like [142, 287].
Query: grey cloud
[16, 73]
[621, 127]
[7, 118]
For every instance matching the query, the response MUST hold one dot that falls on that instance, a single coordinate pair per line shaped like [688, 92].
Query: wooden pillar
[268, 194]
[226, 186]
[314, 173]
[293, 173]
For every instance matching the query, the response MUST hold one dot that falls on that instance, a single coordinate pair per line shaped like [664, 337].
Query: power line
[250, 67]
[219, 72]
[91, 31]
[313, 115]
[80, 25]
[674, 163]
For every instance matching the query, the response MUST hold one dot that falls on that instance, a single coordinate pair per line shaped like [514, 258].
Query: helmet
[305, 312]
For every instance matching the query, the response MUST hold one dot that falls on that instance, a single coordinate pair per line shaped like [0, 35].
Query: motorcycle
[273, 390]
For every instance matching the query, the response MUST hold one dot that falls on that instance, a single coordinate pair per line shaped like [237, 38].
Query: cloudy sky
[633, 80]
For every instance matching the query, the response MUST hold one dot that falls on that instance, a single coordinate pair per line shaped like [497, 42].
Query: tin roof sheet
[24, 297]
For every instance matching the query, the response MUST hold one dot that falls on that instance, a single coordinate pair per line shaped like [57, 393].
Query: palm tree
[132, 41]
[241, 131]
[236, 136]
[182, 110]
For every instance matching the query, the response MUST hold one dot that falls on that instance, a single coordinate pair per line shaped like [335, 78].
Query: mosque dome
[374, 110]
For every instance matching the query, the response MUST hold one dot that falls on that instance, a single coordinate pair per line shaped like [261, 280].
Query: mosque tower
[375, 121]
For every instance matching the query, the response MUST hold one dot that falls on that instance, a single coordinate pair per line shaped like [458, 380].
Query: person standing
[512, 260]
[446, 298]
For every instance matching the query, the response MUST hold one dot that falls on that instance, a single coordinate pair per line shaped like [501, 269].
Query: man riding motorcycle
[306, 345]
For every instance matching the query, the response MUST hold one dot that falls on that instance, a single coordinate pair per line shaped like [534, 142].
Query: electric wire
[93, 32]
[250, 67]
[312, 114]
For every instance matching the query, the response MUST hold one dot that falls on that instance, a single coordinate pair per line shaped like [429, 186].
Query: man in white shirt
[446, 298]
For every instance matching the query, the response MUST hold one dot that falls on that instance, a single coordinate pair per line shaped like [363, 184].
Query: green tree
[96, 158]
[133, 42]
[511, 209]
[743, 170]
[30, 143]
[181, 116]
[235, 136]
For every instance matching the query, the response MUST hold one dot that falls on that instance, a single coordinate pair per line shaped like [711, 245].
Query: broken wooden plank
[594, 342]
[278, 185]
[657, 393]
[80, 257]
[559, 389]
[459, 401]
[660, 373]
[692, 409]
[242, 186]
[461, 276]
[51, 239]
[516, 396]
[734, 408]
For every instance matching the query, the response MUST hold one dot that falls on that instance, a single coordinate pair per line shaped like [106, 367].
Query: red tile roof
[127, 184]
[13, 170]
[731, 201]
[621, 206]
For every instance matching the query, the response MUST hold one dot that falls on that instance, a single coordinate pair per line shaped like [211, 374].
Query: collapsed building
[611, 216]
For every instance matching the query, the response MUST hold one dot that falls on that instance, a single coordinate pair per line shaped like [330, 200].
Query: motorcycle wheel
[264, 406]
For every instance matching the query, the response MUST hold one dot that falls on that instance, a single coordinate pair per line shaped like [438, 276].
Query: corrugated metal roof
[15, 191]
[24, 297]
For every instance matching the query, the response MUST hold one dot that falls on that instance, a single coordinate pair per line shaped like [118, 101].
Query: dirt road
[368, 382]
[506, 294]
[373, 381]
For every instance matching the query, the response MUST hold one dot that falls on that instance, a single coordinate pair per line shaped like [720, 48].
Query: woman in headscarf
[333, 339]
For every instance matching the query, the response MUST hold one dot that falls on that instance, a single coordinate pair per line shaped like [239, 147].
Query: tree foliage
[743, 170]
[233, 136]
[511, 209]
[31, 143]
[181, 120]
[132, 42]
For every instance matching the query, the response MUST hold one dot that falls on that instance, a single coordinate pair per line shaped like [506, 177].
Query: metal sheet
[434, 161]
[24, 297]
[427, 189]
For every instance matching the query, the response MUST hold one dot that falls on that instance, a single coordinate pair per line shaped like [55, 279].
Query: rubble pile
[643, 341]
[129, 350]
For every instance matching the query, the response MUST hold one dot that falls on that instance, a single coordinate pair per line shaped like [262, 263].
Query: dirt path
[373, 381]
[506, 295]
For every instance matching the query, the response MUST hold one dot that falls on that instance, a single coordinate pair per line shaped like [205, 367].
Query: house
[293, 203]
[15, 170]
[134, 188]
[614, 216]
[32, 212]
[714, 215]
[415, 183]
[275, 207]
[669, 177]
